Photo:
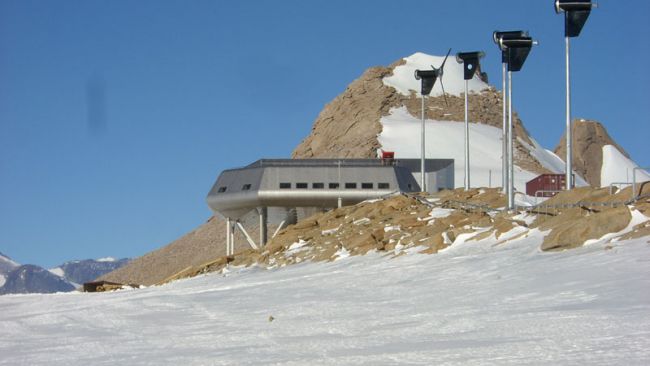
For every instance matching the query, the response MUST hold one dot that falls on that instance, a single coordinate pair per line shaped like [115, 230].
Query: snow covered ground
[472, 304]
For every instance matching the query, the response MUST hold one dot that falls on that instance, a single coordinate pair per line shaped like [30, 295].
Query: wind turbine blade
[444, 94]
[445, 60]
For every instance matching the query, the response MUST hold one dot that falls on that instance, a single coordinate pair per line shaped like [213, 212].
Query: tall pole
[569, 152]
[227, 236]
[263, 212]
[467, 184]
[504, 135]
[422, 173]
[511, 190]
[340, 199]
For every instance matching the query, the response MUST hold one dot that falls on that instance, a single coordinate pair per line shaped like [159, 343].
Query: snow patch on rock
[403, 78]
[617, 168]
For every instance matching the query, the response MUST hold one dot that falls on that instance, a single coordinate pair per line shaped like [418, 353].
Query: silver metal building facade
[279, 188]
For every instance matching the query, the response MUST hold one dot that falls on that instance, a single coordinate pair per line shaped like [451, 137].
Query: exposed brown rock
[589, 137]
[348, 126]
[393, 224]
[575, 226]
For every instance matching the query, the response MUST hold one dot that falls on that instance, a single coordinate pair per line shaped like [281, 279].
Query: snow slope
[445, 140]
[403, 79]
[6, 266]
[617, 168]
[472, 304]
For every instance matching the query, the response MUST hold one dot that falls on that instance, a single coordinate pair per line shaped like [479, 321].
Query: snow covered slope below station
[473, 303]
[403, 79]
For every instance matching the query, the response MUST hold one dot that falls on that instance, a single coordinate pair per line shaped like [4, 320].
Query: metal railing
[544, 209]
[634, 179]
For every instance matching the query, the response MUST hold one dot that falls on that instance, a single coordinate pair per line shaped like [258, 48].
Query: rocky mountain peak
[589, 137]
[348, 126]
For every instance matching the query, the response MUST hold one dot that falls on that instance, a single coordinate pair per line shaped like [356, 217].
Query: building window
[302, 185]
[383, 185]
[350, 185]
[318, 185]
[285, 185]
[246, 187]
[221, 189]
[333, 186]
[367, 185]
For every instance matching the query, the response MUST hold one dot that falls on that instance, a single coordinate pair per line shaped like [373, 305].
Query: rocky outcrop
[428, 224]
[348, 126]
[589, 137]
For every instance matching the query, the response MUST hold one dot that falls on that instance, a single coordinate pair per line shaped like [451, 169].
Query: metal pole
[232, 238]
[278, 229]
[422, 180]
[339, 201]
[633, 183]
[511, 190]
[504, 136]
[263, 225]
[634, 180]
[569, 152]
[248, 237]
[467, 184]
[227, 236]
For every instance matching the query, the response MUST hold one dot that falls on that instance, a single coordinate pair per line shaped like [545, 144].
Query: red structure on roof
[546, 185]
[387, 157]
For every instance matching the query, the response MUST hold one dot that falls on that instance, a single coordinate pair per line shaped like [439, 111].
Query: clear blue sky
[180, 90]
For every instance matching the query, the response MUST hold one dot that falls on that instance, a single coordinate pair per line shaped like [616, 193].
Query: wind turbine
[576, 13]
[470, 61]
[496, 36]
[517, 46]
[428, 79]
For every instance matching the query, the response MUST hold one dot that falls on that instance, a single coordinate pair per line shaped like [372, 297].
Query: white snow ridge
[106, 259]
[403, 79]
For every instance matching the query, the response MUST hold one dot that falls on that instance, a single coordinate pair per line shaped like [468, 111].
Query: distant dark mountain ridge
[6, 264]
[29, 278]
[23, 279]
[82, 271]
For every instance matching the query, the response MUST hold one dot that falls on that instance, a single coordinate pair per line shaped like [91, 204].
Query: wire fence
[540, 209]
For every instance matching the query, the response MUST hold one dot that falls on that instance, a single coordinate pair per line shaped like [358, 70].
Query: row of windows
[335, 185]
[247, 187]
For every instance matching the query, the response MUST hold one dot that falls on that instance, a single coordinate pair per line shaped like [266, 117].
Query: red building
[546, 185]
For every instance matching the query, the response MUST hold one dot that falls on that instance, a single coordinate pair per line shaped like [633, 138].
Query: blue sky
[180, 90]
